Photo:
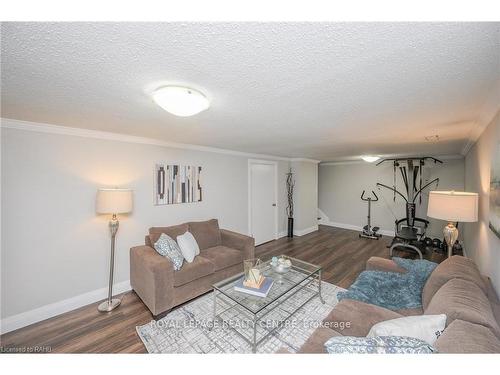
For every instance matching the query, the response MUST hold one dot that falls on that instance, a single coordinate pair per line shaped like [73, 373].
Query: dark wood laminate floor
[340, 252]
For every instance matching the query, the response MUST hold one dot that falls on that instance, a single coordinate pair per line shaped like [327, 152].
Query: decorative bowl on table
[281, 265]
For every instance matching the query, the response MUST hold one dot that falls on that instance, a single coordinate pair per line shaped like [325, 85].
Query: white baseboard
[24, 319]
[303, 232]
[358, 228]
[298, 233]
[323, 218]
[282, 234]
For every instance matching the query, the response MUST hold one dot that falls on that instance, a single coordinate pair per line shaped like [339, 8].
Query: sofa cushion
[496, 311]
[410, 312]
[466, 337]
[464, 300]
[192, 271]
[223, 257]
[360, 316]
[207, 233]
[382, 264]
[454, 267]
[316, 342]
[173, 232]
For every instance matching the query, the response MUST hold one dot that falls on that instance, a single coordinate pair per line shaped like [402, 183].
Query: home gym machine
[369, 231]
[410, 231]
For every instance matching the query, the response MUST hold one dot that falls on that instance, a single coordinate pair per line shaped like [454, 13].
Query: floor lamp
[452, 206]
[112, 201]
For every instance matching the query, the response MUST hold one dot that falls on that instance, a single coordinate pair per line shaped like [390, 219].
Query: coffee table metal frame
[306, 274]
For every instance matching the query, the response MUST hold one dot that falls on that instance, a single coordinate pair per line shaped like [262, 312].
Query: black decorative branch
[290, 184]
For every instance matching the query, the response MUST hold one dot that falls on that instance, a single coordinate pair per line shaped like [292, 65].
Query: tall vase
[290, 227]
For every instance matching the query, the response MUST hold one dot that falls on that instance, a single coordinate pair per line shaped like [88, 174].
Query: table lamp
[112, 201]
[452, 206]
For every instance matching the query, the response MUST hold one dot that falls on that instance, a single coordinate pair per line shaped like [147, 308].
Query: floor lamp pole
[111, 303]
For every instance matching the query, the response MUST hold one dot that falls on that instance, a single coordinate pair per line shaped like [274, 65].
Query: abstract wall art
[495, 192]
[177, 184]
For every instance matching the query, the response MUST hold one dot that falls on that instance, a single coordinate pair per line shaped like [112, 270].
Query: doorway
[263, 200]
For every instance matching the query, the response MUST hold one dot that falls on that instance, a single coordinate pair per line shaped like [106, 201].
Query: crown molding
[347, 162]
[489, 111]
[478, 129]
[342, 162]
[97, 134]
[305, 160]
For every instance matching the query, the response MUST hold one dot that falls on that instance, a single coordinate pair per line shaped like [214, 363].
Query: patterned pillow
[377, 345]
[167, 247]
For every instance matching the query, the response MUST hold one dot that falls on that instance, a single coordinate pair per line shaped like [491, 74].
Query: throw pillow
[423, 327]
[168, 248]
[377, 345]
[189, 246]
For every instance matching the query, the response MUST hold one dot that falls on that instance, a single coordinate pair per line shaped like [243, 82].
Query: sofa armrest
[316, 342]
[382, 264]
[239, 242]
[151, 277]
[356, 318]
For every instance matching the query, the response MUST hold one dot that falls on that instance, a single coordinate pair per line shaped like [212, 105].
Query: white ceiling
[327, 91]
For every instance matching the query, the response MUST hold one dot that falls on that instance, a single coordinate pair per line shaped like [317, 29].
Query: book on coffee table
[263, 291]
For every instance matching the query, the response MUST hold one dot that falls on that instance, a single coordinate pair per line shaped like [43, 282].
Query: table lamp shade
[114, 201]
[453, 206]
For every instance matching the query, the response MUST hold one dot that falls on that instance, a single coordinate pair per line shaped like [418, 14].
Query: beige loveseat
[455, 288]
[153, 278]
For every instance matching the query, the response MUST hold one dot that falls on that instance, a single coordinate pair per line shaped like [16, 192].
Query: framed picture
[176, 183]
[495, 192]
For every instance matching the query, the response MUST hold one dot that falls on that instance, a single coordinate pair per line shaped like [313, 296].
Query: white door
[262, 195]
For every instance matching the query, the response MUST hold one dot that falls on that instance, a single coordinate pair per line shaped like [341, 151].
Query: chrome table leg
[215, 304]
[319, 287]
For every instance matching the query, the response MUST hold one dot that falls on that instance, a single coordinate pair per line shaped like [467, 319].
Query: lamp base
[106, 307]
[450, 233]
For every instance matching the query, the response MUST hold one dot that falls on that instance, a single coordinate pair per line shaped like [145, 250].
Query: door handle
[274, 204]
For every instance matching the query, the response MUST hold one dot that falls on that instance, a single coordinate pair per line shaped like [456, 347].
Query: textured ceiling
[327, 91]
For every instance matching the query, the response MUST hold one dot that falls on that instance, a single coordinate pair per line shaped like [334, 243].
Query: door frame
[266, 162]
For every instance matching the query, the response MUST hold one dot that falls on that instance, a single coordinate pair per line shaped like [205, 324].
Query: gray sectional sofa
[455, 288]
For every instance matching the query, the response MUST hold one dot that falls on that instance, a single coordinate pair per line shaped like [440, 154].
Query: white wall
[54, 247]
[340, 188]
[482, 245]
[305, 196]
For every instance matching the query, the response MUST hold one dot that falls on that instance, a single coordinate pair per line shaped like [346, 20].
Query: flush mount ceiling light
[370, 159]
[180, 101]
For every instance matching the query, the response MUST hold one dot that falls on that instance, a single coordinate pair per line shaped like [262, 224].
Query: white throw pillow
[423, 327]
[189, 246]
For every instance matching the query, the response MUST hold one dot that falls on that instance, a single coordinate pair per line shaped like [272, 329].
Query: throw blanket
[392, 290]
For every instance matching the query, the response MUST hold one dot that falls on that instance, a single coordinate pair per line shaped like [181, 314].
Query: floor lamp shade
[453, 206]
[114, 201]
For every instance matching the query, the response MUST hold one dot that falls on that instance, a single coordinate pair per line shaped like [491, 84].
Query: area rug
[190, 328]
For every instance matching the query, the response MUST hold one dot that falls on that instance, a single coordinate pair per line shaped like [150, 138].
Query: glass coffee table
[256, 318]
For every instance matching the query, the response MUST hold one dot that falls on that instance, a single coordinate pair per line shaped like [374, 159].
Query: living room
[250, 187]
